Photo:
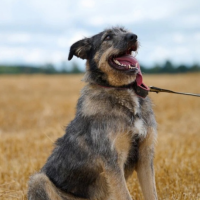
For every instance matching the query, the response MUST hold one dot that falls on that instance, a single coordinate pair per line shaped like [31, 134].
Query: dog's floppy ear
[80, 49]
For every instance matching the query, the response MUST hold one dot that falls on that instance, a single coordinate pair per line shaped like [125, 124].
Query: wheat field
[34, 110]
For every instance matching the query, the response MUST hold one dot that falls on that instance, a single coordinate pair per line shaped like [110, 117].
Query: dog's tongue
[141, 89]
[127, 60]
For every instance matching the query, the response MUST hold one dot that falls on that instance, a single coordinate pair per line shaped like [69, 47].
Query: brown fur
[114, 77]
[146, 175]
[112, 135]
[122, 144]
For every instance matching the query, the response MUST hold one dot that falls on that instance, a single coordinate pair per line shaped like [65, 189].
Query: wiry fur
[112, 134]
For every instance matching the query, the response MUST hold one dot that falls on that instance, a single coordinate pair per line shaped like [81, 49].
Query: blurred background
[38, 34]
[35, 37]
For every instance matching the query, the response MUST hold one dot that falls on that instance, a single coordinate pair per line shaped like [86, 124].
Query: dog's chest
[139, 128]
[131, 102]
[135, 128]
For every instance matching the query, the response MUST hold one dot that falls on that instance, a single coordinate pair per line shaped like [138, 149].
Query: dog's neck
[97, 78]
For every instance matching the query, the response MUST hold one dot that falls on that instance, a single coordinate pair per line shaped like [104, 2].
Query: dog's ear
[80, 49]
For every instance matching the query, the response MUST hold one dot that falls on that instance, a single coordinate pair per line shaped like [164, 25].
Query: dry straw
[35, 109]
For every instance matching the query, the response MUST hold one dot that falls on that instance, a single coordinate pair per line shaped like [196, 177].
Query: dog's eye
[108, 37]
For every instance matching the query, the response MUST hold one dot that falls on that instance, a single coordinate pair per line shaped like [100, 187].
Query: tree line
[167, 67]
[170, 68]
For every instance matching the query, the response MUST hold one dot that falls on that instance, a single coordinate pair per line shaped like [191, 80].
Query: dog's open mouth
[124, 62]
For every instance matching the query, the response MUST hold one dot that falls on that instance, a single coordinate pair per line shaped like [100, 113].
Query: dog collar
[140, 90]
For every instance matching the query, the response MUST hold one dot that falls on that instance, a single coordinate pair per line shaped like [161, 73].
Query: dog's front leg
[117, 185]
[145, 169]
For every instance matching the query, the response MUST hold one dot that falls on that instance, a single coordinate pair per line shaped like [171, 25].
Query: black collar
[138, 90]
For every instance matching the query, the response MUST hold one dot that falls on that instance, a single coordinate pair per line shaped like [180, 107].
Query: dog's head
[108, 56]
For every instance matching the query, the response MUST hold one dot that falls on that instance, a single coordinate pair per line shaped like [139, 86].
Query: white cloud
[38, 31]
[33, 55]
[197, 36]
[87, 3]
[18, 38]
[178, 38]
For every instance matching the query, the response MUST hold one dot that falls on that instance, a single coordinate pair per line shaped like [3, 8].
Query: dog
[112, 134]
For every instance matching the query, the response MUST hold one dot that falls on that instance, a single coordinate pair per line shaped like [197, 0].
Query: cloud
[31, 56]
[17, 38]
[38, 31]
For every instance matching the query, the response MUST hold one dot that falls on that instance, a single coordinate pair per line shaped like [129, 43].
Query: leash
[142, 90]
[157, 90]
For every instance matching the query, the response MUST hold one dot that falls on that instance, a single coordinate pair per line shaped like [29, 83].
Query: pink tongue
[130, 60]
[127, 60]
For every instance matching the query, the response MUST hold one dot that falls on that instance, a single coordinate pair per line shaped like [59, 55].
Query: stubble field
[34, 111]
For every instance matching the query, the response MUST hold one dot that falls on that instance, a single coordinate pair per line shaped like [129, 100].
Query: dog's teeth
[132, 67]
[117, 62]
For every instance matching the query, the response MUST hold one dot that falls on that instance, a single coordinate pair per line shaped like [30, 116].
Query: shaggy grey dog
[112, 134]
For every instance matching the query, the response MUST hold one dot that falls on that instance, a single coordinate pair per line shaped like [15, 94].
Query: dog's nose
[130, 37]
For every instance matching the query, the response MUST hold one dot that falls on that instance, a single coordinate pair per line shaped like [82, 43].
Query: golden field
[34, 111]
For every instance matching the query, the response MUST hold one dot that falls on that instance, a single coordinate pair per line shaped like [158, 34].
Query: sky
[41, 31]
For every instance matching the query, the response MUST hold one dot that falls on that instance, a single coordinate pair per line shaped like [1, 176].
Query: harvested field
[34, 111]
